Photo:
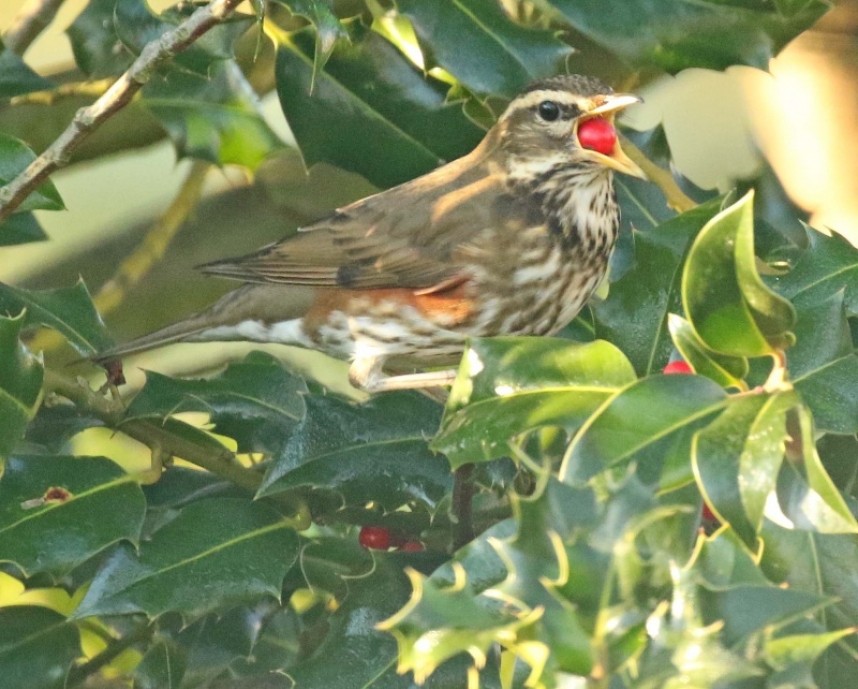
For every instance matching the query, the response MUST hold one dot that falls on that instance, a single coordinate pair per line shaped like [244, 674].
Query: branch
[31, 20]
[222, 463]
[117, 97]
[676, 198]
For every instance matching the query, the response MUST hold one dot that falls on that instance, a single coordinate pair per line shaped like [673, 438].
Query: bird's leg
[366, 374]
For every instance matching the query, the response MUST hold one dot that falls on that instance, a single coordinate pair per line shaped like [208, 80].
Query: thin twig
[33, 18]
[117, 97]
[676, 198]
[223, 463]
[117, 646]
[77, 89]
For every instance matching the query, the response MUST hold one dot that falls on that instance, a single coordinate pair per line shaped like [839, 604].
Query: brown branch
[33, 18]
[117, 97]
[223, 463]
[676, 198]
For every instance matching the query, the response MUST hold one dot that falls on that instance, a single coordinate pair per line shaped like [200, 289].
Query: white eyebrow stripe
[529, 100]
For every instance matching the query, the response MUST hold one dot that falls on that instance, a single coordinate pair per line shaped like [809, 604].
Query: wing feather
[407, 236]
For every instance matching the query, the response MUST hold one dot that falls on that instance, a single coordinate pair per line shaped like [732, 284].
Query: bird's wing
[414, 235]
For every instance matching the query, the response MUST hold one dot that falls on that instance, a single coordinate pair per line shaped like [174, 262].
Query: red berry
[412, 547]
[597, 135]
[375, 537]
[707, 514]
[678, 367]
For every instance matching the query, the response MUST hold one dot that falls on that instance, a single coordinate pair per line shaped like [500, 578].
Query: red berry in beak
[598, 135]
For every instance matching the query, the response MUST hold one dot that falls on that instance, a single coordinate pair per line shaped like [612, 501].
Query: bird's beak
[607, 107]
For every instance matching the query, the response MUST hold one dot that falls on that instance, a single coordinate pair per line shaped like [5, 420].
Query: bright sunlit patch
[475, 364]
[504, 390]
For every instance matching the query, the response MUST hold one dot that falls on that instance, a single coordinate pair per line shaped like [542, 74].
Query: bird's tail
[268, 303]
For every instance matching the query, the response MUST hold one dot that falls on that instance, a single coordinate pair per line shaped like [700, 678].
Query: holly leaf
[727, 371]
[392, 115]
[255, 401]
[211, 116]
[329, 30]
[162, 667]
[371, 452]
[21, 376]
[477, 42]
[136, 26]
[68, 310]
[724, 297]
[650, 421]
[15, 156]
[807, 495]
[634, 316]
[829, 265]
[736, 459]
[352, 631]
[21, 228]
[37, 647]
[198, 562]
[678, 34]
[823, 365]
[57, 512]
[508, 386]
[96, 46]
[16, 77]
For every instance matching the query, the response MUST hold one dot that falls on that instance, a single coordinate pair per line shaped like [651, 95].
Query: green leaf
[162, 667]
[37, 647]
[255, 401]
[440, 623]
[352, 633]
[823, 364]
[329, 29]
[215, 553]
[15, 156]
[652, 419]
[829, 265]
[136, 25]
[371, 452]
[634, 316]
[823, 564]
[211, 116]
[56, 424]
[746, 609]
[477, 42]
[724, 561]
[799, 649]
[724, 298]
[68, 310]
[21, 228]
[736, 459]
[727, 371]
[507, 386]
[21, 376]
[16, 77]
[213, 643]
[678, 34]
[392, 114]
[95, 42]
[806, 493]
[57, 512]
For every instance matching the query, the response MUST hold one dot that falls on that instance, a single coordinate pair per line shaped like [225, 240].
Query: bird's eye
[549, 110]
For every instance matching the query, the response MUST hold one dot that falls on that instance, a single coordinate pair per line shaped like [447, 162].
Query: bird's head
[565, 121]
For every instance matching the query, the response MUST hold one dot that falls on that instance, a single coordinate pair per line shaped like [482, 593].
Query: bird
[511, 239]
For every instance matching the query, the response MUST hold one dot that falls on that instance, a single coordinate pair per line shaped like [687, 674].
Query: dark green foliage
[595, 564]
